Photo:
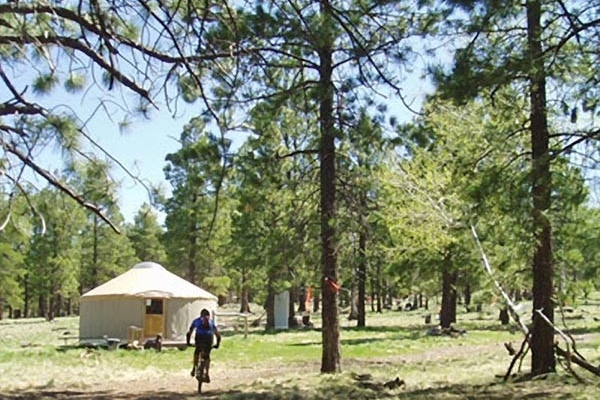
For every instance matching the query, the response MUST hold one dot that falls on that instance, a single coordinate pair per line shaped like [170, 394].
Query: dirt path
[225, 379]
[174, 386]
[233, 379]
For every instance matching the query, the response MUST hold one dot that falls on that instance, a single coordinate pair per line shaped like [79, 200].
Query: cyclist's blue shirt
[201, 330]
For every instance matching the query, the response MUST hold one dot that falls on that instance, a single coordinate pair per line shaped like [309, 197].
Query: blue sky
[141, 148]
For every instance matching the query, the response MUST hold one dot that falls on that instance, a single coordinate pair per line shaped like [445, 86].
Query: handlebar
[216, 346]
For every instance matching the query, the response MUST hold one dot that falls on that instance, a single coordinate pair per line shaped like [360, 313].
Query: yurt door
[154, 321]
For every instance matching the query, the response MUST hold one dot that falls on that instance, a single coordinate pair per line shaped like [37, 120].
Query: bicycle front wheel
[200, 375]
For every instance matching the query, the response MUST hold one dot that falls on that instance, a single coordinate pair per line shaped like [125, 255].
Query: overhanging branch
[57, 184]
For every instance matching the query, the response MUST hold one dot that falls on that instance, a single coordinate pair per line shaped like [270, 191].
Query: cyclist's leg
[207, 367]
[206, 348]
[196, 356]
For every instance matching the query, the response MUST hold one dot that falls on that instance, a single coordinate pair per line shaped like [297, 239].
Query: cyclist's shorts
[204, 343]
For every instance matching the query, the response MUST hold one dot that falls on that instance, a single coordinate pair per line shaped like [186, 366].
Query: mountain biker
[205, 331]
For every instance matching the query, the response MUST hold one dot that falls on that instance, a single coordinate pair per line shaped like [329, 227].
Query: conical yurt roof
[148, 279]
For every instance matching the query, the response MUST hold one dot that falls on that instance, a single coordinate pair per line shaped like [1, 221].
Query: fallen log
[574, 358]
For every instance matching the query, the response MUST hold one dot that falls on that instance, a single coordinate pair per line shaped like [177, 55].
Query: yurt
[145, 301]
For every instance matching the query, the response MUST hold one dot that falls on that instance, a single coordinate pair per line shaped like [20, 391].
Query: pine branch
[56, 183]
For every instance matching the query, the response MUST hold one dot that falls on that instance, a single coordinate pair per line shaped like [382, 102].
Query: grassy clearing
[285, 365]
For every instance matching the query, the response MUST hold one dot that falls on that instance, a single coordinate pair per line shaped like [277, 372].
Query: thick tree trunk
[448, 311]
[331, 357]
[244, 303]
[542, 335]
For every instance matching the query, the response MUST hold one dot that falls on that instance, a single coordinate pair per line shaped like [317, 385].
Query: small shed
[147, 298]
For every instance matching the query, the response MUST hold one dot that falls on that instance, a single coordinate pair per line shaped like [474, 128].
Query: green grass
[285, 364]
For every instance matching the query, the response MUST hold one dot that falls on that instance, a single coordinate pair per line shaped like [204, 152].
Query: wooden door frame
[163, 316]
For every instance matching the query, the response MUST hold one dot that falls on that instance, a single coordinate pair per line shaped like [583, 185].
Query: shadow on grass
[407, 332]
[81, 395]
[583, 330]
[334, 389]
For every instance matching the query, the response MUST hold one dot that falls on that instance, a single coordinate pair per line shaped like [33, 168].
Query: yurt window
[154, 306]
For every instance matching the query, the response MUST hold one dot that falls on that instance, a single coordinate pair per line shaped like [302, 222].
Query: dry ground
[262, 381]
[457, 370]
[178, 386]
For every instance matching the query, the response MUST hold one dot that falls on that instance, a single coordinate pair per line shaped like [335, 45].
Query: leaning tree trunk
[331, 357]
[542, 334]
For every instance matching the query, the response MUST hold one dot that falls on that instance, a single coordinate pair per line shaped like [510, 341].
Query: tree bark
[542, 334]
[94, 279]
[467, 296]
[316, 301]
[26, 296]
[270, 307]
[244, 303]
[42, 306]
[330, 362]
[302, 300]
[503, 316]
[362, 279]
[353, 315]
[373, 284]
[448, 311]
[292, 321]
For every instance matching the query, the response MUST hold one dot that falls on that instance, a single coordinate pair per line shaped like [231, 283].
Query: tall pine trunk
[244, 303]
[270, 305]
[542, 335]
[362, 278]
[448, 311]
[330, 361]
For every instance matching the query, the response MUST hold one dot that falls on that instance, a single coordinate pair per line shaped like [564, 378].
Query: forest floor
[285, 365]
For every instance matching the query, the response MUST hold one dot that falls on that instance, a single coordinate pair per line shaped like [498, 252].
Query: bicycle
[200, 369]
